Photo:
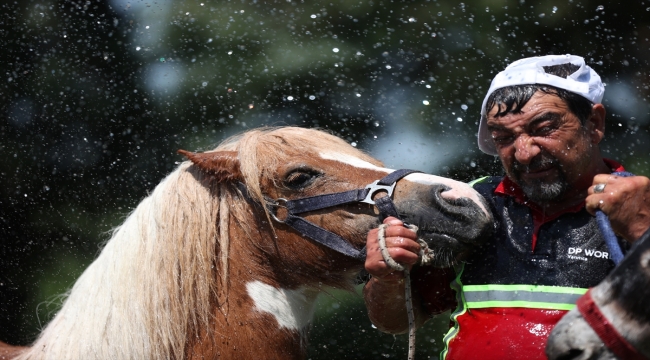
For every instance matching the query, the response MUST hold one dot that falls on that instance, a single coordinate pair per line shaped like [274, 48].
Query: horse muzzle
[452, 227]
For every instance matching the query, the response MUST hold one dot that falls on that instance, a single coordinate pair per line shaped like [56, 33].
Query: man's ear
[224, 165]
[596, 123]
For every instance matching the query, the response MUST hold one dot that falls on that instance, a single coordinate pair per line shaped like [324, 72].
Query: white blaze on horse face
[293, 309]
[457, 189]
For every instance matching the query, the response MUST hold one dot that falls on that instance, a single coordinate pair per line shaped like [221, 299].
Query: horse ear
[224, 165]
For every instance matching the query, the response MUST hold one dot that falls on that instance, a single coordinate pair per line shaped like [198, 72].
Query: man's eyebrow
[497, 128]
[549, 115]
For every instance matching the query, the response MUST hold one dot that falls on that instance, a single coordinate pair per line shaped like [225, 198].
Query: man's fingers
[400, 231]
[402, 247]
[403, 243]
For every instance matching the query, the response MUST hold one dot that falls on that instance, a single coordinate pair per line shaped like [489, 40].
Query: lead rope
[425, 258]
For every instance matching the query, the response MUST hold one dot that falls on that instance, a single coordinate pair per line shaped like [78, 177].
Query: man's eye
[502, 139]
[544, 130]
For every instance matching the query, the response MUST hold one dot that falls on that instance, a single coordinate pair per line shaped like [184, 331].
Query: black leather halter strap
[327, 238]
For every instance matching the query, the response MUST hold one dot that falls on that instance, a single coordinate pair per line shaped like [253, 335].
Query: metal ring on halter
[599, 188]
[276, 204]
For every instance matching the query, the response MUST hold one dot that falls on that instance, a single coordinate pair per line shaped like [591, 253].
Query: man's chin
[544, 192]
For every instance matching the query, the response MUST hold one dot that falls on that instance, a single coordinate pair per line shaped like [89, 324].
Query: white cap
[585, 82]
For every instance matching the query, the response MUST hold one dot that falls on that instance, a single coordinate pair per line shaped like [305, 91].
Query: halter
[605, 330]
[327, 238]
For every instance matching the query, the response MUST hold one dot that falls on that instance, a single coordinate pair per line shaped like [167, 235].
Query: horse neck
[256, 313]
[148, 288]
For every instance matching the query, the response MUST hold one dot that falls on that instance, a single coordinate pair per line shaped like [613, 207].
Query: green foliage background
[97, 96]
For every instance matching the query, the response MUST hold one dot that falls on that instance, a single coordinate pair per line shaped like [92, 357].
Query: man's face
[544, 149]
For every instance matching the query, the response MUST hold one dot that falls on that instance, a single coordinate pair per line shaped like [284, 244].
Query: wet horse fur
[624, 298]
[199, 270]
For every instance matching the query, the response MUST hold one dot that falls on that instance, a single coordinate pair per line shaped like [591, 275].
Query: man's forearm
[386, 305]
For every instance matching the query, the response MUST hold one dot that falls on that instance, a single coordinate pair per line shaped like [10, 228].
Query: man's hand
[625, 200]
[402, 246]
[384, 293]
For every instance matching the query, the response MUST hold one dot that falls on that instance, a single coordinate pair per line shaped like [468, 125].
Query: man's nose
[525, 149]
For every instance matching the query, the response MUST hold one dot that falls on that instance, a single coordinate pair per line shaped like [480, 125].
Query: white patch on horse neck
[457, 189]
[293, 309]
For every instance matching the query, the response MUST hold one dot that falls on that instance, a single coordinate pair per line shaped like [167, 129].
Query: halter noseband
[605, 330]
[327, 238]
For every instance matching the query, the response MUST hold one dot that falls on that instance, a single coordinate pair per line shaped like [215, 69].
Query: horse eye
[300, 179]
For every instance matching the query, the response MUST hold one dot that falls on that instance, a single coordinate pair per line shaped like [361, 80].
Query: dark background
[97, 96]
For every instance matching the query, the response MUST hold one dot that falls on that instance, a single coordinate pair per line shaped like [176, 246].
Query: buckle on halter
[278, 203]
[374, 188]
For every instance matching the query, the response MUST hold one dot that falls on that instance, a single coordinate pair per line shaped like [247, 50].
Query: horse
[209, 265]
[612, 320]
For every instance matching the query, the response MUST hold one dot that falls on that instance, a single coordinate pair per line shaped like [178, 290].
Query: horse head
[611, 321]
[294, 164]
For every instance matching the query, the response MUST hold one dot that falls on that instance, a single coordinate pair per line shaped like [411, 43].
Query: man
[544, 119]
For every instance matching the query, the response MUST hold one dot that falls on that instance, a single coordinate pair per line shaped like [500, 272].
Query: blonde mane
[156, 281]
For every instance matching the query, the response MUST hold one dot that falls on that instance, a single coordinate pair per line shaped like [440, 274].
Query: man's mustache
[539, 163]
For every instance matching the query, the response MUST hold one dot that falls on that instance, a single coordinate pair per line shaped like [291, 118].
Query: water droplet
[459, 119]
[335, 50]
[358, 95]
[463, 106]
[354, 144]
[290, 98]
[601, 8]
[542, 15]
[146, 27]
[137, 48]
[554, 9]
[313, 16]
[204, 84]
[312, 97]
[388, 67]
[425, 102]
[412, 20]
[230, 52]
